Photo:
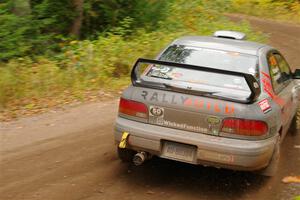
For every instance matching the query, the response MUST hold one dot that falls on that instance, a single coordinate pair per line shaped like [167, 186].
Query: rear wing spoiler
[253, 84]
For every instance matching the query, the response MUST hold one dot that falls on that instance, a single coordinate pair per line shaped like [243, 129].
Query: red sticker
[264, 105]
[269, 89]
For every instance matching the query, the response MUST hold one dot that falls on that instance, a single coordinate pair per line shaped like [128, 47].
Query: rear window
[231, 61]
[195, 78]
[186, 79]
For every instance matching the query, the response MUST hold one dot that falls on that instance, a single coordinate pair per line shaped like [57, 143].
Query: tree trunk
[77, 23]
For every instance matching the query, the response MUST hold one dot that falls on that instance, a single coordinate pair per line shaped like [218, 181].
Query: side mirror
[296, 74]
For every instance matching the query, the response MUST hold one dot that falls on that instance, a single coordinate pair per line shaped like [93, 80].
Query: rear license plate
[179, 151]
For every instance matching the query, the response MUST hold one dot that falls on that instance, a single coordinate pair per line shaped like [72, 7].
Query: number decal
[156, 111]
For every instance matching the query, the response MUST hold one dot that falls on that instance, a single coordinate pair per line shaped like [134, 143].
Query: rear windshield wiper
[187, 89]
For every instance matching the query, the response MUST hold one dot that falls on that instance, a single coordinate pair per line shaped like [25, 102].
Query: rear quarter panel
[277, 101]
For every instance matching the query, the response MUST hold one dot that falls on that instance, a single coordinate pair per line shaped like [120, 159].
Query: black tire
[126, 155]
[271, 169]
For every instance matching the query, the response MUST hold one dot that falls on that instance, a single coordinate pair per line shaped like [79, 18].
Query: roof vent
[230, 35]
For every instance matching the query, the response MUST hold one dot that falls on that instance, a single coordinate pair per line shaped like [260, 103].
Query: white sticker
[255, 84]
[265, 105]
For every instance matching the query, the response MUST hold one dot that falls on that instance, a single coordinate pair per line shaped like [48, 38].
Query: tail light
[133, 108]
[244, 127]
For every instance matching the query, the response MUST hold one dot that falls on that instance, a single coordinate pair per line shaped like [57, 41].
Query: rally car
[217, 101]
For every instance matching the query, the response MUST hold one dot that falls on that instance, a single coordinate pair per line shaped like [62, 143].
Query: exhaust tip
[139, 158]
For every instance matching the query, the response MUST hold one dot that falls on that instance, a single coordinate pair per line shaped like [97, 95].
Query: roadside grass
[288, 11]
[83, 68]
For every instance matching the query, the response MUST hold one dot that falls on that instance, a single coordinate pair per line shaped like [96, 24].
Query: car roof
[241, 46]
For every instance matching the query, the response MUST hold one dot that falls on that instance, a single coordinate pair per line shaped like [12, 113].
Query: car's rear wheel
[126, 155]
[271, 169]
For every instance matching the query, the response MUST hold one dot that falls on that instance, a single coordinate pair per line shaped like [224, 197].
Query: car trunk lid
[183, 111]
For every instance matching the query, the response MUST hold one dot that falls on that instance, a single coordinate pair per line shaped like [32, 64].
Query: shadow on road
[195, 181]
[185, 181]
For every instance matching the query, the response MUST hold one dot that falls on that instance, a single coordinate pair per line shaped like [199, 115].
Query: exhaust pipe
[140, 158]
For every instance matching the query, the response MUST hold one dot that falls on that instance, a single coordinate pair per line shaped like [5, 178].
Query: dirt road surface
[70, 154]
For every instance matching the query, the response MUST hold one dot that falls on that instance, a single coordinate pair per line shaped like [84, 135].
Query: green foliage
[16, 36]
[275, 9]
[101, 15]
[53, 16]
[28, 33]
[28, 26]
[86, 65]
[106, 61]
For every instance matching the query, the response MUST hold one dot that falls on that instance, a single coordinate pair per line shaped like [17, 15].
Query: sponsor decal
[213, 120]
[213, 125]
[156, 115]
[255, 84]
[265, 105]
[156, 111]
[198, 103]
[184, 126]
[273, 61]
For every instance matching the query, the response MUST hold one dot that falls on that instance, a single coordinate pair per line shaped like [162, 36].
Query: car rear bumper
[211, 150]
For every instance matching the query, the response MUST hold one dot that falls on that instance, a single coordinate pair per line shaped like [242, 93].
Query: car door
[282, 86]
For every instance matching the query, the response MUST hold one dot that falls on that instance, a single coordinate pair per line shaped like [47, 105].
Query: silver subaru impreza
[216, 101]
